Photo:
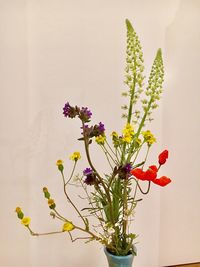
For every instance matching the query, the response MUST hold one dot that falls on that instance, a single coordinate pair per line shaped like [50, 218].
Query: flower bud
[46, 193]
[59, 163]
[163, 157]
[20, 214]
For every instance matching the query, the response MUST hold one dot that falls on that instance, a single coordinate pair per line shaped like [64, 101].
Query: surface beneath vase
[186, 265]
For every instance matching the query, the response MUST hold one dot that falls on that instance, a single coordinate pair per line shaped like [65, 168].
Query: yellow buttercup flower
[100, 139]
[75, 156]
[59, 162]
[68, 226]
[128, 133]
[26, 221]
[149, 137]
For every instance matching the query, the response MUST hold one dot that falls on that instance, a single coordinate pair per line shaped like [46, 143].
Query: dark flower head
[101, 128]
[124, 171]
[69, 111]
[90, 176]
[85, 114]
[98, 129]
[127, 168]
[87, 171]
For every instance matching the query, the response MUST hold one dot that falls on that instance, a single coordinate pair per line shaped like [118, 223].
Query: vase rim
[118, 256]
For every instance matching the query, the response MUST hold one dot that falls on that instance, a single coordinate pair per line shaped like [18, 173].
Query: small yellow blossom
[68, 226]
[59, 162]
[128, 133]
[26, 221]
[100, 139]
[149, 137]
[51, 202]
[75, 156]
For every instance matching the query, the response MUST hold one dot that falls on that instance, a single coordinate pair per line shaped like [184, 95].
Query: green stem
[125, 211]
[69, 199]
[129, 114]
[148, 188]
[71, 173]
[99, 177]
[111, 149]
[139, 129]
[106, 154]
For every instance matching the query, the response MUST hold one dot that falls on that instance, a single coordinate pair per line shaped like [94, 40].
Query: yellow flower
[51, 202]
[149, 137]
[100, 139]
[75, 156]
[128, 133]
[59, 162]
[68, 226]
[26, 221]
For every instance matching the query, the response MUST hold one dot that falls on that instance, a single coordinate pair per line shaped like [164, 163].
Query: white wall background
[55, 51]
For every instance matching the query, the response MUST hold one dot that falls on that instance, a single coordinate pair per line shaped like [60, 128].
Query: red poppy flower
[162, 181]
[148, 175]
[151, 173]
[163, 157]
[138, 173]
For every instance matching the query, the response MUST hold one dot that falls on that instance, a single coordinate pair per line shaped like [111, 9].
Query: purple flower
[101, 128]
[85, 114]
[124, 171]
[90, 176]
[66, 109]
[98, 129]
[127, 168]
[87, 171]
[70, 111]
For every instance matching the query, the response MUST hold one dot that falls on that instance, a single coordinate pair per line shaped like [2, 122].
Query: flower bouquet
[113, 196]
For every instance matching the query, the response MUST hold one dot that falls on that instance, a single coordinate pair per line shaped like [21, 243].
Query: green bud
[61, 167]
[47, 195]
[20, 215]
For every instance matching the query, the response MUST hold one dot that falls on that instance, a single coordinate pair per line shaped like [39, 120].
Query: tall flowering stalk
[113, 196]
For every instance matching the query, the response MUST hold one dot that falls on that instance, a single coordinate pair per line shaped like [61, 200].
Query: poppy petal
[162, 181]
[138, 173]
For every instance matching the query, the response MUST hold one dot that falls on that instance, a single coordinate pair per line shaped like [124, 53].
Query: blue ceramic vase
[119, 261]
